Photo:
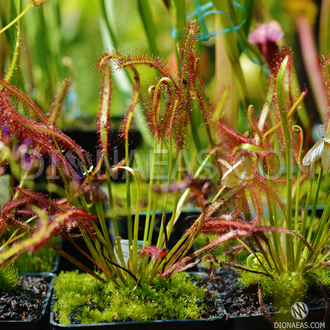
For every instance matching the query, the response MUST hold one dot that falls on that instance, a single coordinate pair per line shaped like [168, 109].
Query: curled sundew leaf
[126, 60]
[15, 210]
[155, 123]
[321, 149]
[241, 172]
[253, 261]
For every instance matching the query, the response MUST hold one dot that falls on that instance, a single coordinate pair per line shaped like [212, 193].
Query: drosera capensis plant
[286, 242]
[167, 108]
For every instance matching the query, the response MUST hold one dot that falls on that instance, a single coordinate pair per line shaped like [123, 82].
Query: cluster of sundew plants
[82, 203]
[280, 235]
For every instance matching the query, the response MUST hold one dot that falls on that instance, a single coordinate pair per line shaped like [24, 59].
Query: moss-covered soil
[82, 299]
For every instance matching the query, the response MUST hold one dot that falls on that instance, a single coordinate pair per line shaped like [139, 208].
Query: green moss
[8, 279]
[97, 302]
[285, 289]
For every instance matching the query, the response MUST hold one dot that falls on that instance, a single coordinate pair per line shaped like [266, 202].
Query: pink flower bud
[266, 36]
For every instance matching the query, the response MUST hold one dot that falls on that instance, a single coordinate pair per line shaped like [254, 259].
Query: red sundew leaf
[269, 190]
[229, 138]
[132, 105]
[40, 134]
[40, 200]
[153, 251]
[128, 59]
[34, 111]
[325, 70]
[8, 216]
[15, 211]
[284, 231]
[187, 260]
[104, 124]
[224, 200]
[178, 125]
[157, 120]
[65, 221]
[68, 219]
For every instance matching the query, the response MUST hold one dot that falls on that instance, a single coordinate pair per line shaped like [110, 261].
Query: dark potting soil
[240, 301]
[27, 302]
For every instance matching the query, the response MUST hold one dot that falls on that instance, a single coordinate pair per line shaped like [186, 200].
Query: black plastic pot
[199, 324]
[89, 141]
[184, 221]
[42, 322]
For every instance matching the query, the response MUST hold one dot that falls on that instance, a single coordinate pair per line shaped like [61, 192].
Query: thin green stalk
[287, 138]
[128, 195]
[17, 18]
[133, 254]
[175, 214]
[15, 58]
[100, 214]
[321, 226]
[316, 197]
[111, 201]
[151, 180]
[298, 252]
[296, 228]
[151, 230]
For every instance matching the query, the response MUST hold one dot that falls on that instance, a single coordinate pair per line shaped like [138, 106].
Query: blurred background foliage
[62, 39]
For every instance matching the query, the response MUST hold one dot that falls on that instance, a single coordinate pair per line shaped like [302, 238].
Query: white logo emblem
[299, 311]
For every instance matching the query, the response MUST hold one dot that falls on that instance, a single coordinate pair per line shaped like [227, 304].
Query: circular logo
[299, 311]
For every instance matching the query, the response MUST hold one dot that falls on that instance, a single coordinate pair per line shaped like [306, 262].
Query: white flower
[321, 149]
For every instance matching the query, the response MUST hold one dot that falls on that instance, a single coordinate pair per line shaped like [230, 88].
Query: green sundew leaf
[247, 146]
